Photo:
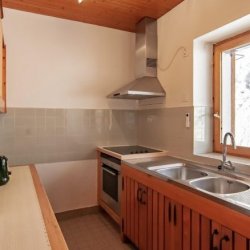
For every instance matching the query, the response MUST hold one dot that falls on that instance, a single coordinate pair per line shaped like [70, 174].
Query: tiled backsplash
[54, 135]
[165, 129]
[57, 135]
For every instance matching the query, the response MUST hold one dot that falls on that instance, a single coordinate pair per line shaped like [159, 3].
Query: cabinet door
[177, 226]
[241, 242]
[222, 237]
[156, 221]
[4, 78]
[225, 239]
[2, 69]
[168, 223]
[161, 224]
[172, 225]
[135, 212]
[129, 211]
[196, 233]
[205, 233]
[186, 237]
[143, 201]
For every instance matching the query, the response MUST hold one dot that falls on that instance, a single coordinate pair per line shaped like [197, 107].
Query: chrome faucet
[227, 164]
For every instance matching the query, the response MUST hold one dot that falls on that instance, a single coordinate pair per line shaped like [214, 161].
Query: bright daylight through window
[232, 92]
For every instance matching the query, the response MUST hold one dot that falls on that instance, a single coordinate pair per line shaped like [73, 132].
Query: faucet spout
[227, 164]
[228, 134]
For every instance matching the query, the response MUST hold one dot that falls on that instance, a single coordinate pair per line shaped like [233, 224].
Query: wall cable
[182, 48]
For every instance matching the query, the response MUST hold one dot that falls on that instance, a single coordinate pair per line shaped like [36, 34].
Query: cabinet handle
[142, 200]
[138, 194]
[224, 238]
[169, 212]
[215, 232]
[175, 215]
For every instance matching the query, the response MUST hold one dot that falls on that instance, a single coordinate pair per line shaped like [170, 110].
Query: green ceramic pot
[4, 173]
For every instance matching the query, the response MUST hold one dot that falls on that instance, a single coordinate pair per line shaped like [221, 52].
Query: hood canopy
[146, 84]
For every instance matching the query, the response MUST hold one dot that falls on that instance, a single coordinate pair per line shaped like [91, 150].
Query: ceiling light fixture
[80, 1]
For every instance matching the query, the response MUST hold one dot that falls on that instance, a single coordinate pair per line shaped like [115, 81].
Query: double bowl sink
[199, 179]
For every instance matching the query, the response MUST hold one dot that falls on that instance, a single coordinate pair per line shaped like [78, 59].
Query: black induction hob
[127, 150]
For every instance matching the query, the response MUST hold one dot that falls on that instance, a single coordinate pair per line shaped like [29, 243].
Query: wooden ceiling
[118, 14]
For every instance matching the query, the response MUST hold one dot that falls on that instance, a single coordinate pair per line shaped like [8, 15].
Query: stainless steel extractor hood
[146, 85]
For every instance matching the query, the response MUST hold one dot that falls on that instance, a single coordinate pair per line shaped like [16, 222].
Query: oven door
[110, 187]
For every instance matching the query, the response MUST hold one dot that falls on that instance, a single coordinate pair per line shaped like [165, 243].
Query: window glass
[235, 99]
[242, 96]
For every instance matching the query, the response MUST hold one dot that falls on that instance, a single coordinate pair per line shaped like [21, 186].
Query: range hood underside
[139, 89]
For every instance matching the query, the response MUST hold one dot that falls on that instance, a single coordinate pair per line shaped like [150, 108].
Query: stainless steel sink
[220, 185]
[168, 165]
[181, 173]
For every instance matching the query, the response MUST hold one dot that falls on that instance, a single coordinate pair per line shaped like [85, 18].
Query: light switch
[187, 120]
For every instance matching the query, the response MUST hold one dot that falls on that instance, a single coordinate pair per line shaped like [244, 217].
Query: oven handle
[111, 164]
[110, 172]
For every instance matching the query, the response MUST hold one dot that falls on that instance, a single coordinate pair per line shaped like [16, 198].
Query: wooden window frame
[228, 44]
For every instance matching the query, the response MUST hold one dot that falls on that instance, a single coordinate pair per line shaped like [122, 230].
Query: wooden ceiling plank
[94, 13]
[73, 16]
[123, 14]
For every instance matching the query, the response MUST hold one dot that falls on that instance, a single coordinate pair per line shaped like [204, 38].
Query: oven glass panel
[110, 181]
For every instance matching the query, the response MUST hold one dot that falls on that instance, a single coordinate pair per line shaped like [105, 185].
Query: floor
[92, 232]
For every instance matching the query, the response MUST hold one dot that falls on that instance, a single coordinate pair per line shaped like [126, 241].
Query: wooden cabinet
[155, 216]
[223, 238]
[134, 222]
[196, 230]
[4, 108]
[2, 72]
[173, 225]
[200, 232]
[150, 219]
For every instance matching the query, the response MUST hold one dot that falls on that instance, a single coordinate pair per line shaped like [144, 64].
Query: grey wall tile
[8, 122]
[24, 112]
[60, 131]
[51, 135]
[50, 112]
[165, 129]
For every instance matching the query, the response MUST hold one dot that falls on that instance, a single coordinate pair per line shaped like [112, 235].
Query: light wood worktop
[27, 221]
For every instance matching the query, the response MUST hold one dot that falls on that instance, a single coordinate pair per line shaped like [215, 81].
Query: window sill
[234, 159]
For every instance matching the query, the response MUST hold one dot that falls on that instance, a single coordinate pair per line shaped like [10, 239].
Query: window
[232, 93]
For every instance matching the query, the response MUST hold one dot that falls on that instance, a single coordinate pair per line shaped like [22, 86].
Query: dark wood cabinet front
[154, 221]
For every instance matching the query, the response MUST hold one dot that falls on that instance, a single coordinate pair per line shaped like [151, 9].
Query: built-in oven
[111, 182]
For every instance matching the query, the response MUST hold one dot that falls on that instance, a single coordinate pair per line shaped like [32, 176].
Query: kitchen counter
[26, 217]
[238, 201]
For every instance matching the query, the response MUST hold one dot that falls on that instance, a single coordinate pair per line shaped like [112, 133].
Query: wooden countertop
[54, 232]
[27, 221]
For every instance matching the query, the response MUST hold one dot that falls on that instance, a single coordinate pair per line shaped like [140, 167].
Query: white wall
[70, 185]
[56, 63]
[179, 27]
[203, 58]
